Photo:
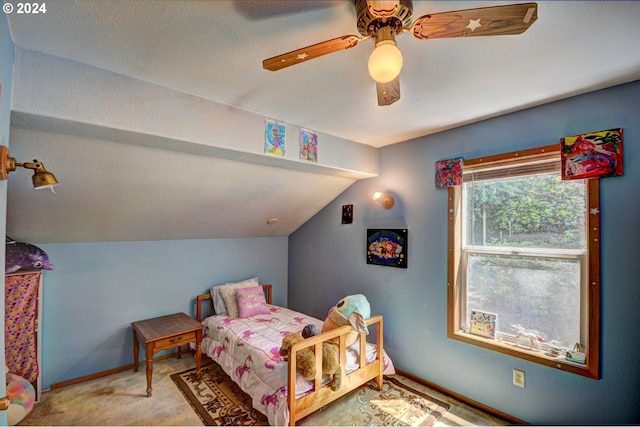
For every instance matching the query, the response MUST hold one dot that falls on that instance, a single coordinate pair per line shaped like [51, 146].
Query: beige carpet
[219, 401]
[120, 400]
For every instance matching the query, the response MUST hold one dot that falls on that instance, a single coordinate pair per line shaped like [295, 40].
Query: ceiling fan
[383, 20]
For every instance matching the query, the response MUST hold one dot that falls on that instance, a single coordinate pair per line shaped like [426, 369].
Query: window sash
[580, 256]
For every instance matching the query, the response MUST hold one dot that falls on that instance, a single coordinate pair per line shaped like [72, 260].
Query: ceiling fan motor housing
[375, 14]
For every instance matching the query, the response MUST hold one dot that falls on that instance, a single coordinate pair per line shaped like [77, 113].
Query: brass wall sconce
[386, 200]
[41, 177]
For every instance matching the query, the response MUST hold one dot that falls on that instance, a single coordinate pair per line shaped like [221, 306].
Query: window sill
[523, 352]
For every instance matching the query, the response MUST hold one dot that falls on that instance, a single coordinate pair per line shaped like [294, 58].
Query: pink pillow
[251, 301]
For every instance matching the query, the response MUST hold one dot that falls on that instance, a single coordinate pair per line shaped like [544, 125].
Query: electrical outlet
[519, 378]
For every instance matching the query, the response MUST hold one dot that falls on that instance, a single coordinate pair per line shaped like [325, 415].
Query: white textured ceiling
[213, 50]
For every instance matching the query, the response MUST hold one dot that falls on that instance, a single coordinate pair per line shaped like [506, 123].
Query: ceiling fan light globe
[385, 63]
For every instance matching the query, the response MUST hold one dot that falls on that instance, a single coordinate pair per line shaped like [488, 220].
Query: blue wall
[98, 289]
[327, 261]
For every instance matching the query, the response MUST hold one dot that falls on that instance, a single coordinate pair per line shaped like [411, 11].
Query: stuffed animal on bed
[306, 359]
[310, 330]
[351, 310]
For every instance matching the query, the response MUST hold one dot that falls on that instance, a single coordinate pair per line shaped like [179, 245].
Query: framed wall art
[592, 155]
[387, 247]
[449, 172]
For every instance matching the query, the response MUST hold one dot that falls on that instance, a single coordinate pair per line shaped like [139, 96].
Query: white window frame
[590, 262]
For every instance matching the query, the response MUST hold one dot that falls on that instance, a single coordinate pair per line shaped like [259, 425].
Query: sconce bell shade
[41, 177]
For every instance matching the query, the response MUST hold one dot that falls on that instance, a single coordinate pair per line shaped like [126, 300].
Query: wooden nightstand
[163, 333]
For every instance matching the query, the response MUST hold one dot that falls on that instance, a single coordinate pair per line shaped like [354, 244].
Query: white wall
[78, 98]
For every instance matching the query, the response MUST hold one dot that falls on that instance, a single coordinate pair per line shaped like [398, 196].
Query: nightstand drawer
[175, 341]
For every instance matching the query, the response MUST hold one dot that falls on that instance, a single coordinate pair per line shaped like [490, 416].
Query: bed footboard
[322, 395]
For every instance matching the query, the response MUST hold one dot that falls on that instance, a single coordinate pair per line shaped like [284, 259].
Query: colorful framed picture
[483, 323]
[449, 172]
[592, 155]
[274, 138]
[308, 146]
[387, 247]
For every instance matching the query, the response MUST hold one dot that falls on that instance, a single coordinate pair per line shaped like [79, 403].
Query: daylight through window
[522, 260]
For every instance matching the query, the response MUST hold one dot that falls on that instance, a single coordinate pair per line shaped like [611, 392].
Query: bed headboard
[267, 288]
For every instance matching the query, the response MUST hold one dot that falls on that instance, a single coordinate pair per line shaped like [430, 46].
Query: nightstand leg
[136, 351]
[198, 350]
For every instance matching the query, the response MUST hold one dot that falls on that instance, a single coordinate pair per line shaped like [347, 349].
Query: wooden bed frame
[319, 397]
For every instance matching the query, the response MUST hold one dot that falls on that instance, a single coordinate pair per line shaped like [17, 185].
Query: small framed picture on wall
[274, 138]
[347, 214]
[387, 247]
[308, 146]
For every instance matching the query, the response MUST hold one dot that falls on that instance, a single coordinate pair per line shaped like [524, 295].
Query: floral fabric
[21, 311]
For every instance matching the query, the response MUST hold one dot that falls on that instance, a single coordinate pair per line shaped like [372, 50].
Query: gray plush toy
[310, 330]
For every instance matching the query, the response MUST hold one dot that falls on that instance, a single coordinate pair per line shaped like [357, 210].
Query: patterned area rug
[219, 401]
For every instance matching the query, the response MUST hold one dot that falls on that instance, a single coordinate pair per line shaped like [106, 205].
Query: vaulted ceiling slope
[152, 113]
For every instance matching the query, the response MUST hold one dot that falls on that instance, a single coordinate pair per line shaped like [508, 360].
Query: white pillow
[218, 302]
[224, 296]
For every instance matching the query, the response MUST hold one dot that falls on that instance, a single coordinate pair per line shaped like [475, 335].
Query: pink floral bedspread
[247, 350]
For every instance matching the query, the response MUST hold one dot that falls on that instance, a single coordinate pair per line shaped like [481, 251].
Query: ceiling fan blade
[310, 52]
[388, 93]
[484, 21]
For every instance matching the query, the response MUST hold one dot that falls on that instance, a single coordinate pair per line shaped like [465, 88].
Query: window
[525, 245]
